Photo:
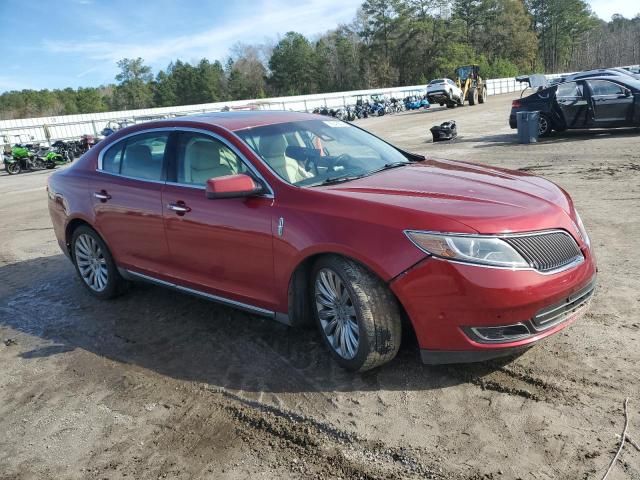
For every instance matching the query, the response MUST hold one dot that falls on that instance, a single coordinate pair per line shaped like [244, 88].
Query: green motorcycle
[22, 158]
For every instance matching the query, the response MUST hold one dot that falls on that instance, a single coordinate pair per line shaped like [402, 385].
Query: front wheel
[483, 95]
[95, 265]
[13, 168]
[358, 317]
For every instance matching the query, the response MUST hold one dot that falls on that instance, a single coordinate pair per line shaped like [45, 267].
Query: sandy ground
[161, 385]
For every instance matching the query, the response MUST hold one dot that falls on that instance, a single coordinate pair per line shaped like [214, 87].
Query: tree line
[388, 43]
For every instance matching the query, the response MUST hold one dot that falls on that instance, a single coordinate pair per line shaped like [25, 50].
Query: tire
[544, 125]
[365, 310]
[91, 255]
[13, 168]
[451, 105]
[50, 164]
[483, 95]
[473, 96]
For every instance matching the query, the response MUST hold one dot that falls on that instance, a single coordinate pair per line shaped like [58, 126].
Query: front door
[612, 102]
[127, 201]
[574, 105]
[222, 246]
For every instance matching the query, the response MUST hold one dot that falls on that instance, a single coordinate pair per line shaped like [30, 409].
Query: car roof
[248, 119]
[632, 82]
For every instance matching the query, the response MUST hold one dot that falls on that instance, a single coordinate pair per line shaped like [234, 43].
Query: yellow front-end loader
[474, 89]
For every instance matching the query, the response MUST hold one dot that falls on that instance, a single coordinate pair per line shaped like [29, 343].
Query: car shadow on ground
[509, 139]
[192, 339]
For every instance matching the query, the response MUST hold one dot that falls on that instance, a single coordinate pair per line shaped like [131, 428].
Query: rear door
[574, 105]
[223, 246]
[127, 200]
[612, 103]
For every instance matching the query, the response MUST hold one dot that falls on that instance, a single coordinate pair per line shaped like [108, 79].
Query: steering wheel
[341, 160]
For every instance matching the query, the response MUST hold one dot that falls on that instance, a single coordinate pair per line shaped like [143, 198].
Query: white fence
[49, 129]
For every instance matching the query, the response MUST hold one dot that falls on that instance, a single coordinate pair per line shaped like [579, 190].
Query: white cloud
[272, 18]
[606, 8]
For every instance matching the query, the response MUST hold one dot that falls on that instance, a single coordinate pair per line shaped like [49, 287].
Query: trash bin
[528, 128]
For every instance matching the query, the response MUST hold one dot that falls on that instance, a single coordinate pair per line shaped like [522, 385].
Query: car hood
[485, 199]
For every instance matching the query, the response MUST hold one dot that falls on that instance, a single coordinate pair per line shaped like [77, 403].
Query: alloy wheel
[337, 313]
[91, 262]
[543, 125]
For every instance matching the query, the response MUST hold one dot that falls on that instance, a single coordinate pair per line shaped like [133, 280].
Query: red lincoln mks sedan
[303, 218]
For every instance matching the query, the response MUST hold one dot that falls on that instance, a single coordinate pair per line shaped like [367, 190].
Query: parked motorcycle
[67, 149]
[23, 158]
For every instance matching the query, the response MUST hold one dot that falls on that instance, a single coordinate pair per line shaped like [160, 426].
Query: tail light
[515, 104]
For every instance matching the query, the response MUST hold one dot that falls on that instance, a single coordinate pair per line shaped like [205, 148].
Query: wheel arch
[298, 294]
[71, 227]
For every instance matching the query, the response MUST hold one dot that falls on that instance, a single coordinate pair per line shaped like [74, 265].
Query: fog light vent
[499, 334]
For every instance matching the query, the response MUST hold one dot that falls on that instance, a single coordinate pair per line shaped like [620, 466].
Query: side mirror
[627, 92]
[232, 186]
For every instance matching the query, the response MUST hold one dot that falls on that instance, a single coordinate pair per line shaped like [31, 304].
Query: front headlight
[582, 230]
[468, 248]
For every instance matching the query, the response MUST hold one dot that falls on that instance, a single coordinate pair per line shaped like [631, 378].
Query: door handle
[180, 208]
[102, 195]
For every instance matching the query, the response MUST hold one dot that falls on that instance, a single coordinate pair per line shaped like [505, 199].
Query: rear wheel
[358, 317]
[13, 168]
[95, 265]
[544, 125]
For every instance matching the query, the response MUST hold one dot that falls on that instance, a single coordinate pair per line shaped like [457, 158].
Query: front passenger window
[604, 88]
[201, 157]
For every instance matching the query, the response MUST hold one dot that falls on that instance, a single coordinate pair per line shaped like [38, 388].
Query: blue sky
[72, 43]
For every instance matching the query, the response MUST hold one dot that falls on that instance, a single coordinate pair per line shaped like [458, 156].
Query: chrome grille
[546, 251]
[559, 312]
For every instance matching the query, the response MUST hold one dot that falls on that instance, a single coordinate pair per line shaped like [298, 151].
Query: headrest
[138, 155]
[272, 145]
[204, 155]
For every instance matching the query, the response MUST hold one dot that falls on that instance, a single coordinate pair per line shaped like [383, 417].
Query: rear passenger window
[570, 90]
[112, 158]
[140, 156]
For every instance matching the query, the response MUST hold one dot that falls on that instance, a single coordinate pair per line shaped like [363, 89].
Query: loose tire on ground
[366, 298]
[114, 284]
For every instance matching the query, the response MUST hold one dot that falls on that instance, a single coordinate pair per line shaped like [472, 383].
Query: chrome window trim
[137, 132]
[138, 179]
[172, 129]
[568, 266]
[232, 147]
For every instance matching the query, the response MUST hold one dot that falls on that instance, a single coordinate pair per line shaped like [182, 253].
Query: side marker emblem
[280, 226]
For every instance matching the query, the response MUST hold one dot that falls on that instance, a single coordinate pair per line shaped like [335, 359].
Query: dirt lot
[161, 385]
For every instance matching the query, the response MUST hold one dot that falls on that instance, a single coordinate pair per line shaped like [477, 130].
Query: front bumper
[446, 302]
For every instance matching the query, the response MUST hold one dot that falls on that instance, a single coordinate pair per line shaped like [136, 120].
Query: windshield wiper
[388, 166]
[346, 178]
[334, 180]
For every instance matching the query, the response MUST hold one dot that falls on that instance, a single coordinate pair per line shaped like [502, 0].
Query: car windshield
[433, 82]
[320, 152]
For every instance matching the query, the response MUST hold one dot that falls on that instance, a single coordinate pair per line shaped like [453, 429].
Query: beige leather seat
[138, 162]
[202, 162]
[272, 148]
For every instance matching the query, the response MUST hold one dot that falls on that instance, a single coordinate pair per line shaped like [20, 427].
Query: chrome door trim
[216, 298]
